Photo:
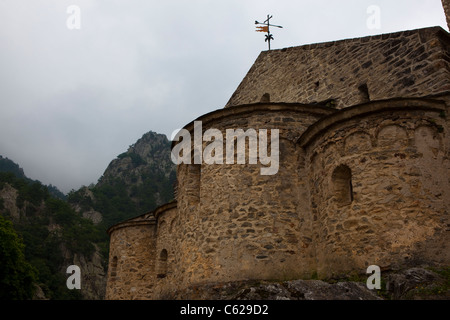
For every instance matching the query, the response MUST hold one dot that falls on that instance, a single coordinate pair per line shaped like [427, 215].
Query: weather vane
[266, 28]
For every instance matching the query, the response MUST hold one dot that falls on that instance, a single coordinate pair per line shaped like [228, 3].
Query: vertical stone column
[446, 5]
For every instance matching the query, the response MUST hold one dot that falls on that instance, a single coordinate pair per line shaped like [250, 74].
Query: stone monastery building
[363, 174]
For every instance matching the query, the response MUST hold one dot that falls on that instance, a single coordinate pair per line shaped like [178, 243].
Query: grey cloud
[72, 100]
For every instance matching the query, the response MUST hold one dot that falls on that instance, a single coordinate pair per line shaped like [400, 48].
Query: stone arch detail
[357, 142]
[427, 140]
[172, 225]
[161, 226]
[392, 136]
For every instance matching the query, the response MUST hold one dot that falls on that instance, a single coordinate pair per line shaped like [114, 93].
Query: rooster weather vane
[266, 28]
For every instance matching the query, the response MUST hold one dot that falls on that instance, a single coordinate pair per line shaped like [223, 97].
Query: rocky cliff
[151, 153]
[137, 181]
[59, 233]
[55, 237]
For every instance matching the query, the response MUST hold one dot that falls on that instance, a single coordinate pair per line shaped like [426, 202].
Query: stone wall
[242, 224]
[167, 254]
[353, 71]
[379, 183]
[355, 187]
[359, 182]
[132, 267]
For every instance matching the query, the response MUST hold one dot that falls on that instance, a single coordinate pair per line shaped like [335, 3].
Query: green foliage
[55, 192]
[10, 167]
[17, 276]
[118, 201]
[48, 223]
[33, 192]
[78, 197]
[135, 158]
[6, 165]
[122, 155]
[77, 233]
[43, 247]
[442, 289]
[113, 200]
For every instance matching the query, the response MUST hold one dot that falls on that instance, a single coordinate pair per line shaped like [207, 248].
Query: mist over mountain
[58, 230]
[7, 165]
[137, 181]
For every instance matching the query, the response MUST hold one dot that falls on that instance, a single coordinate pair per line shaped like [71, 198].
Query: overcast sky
[71, 100]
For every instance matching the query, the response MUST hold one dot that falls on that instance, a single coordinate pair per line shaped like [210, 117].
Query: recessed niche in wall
[342, 183]
[162, 264]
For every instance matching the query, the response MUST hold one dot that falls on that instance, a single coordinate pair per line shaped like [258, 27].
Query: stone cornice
[149, 218]
[247, 109]
[390, 105]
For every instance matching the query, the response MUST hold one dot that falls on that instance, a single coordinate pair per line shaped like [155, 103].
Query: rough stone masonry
[363, 174]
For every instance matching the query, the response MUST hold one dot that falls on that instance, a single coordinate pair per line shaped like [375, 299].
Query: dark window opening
[265, 97]
[113, 273]
[162, 268]
[342, 182]
[364, 93]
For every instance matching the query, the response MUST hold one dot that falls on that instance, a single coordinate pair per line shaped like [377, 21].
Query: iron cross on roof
[266, 28]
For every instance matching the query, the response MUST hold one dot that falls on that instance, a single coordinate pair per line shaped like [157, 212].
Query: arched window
[113, 272]
[342, 183]
[162, 268]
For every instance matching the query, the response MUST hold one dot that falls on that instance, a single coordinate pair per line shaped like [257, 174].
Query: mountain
[137, 181]
[58, 231]
[7, 165]
[50, 236]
